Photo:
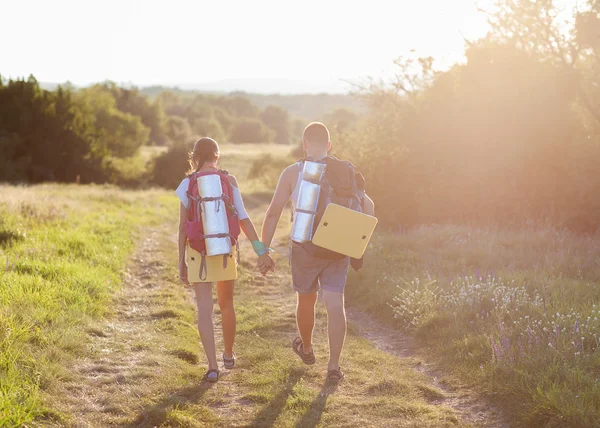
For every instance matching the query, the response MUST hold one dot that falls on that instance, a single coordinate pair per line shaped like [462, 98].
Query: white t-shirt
[238, 202]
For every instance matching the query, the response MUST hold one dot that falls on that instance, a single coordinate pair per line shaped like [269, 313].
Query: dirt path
[120, 354]
[144, 364]
[470, 408]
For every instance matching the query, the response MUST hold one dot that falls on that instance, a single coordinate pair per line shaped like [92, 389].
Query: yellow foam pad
[214, 267]
[344, 231]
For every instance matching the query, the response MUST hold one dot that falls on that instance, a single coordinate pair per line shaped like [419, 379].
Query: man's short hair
[316, 133]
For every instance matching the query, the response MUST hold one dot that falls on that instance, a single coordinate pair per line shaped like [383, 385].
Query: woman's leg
[225, 297]
[204, 301]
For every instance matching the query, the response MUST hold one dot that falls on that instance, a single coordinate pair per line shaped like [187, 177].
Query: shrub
[267, 169]
[169, 168]
[248, 130]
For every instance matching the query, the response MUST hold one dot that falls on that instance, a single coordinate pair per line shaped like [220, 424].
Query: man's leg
[336, 326]
[333, 282]
[305, 271]
[305, 318]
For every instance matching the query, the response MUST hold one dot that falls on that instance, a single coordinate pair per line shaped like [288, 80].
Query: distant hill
[309, 106]
[272, 86]
[306, 106]
[254, 86]
[302, 99]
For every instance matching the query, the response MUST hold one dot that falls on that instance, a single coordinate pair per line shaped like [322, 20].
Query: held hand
[266, 263]
[183, 273]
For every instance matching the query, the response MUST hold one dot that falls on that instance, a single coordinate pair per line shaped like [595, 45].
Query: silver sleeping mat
[214, 215]
[308, 198]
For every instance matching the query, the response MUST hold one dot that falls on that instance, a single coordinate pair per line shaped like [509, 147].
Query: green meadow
[63, 250]
[515, 313]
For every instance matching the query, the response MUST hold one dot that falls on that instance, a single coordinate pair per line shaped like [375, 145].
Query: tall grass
[63, 249]
[516, 312]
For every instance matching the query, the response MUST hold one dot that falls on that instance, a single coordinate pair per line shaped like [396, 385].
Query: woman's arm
[249, 230]
[246, 224]
[182, 238]
[265, 261]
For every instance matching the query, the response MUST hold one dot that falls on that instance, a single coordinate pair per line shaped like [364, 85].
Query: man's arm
[282, 195]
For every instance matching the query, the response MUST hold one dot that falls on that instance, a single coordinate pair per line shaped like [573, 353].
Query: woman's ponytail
[205, 150]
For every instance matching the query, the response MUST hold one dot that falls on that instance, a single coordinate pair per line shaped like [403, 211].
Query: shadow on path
[156, 414]
[312, 416]
[268, 415]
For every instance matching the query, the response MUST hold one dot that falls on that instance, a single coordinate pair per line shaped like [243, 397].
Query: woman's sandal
[335, 375]
[229, 363]
[211, 376]
[307, 358]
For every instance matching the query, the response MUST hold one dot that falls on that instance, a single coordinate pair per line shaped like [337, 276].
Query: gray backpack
[343, 185]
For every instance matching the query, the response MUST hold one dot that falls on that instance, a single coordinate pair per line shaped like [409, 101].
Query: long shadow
[267, 416]
[313, 414]
[156, 415]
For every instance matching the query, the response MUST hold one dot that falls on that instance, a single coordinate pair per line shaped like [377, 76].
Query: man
[308, 271]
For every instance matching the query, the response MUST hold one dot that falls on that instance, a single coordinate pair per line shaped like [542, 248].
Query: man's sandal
[211, 376]
[229, 363]
[335, 375]
[307, 358]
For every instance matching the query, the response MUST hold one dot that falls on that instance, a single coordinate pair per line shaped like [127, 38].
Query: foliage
[134, 102]
[169, 168]
[95, 134]
[44, 134]
[248, 130]
[178, 130]
[268, 168]
[112, 131]
[210, 126]
[277, 119]
[506, 138]
[513, 311]
[309, 107]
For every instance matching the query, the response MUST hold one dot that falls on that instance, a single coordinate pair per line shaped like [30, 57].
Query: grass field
[62, 249]
[97, 331]
[514, 312]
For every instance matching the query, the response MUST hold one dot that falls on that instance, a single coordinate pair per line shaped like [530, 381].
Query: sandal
[307, 358]
[335, 375]
[229, 363]
[211, 376]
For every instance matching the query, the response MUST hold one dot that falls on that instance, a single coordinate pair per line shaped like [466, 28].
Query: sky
[180, 42]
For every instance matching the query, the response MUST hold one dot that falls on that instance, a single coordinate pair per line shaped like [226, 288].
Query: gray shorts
[309, 272]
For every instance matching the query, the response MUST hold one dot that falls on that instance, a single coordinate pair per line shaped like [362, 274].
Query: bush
[481, 144]
[169, 168]
[247, 130]
[210, 127]
[12, 168]
[267, 169]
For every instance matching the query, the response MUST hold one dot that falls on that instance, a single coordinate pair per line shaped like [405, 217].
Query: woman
[204, 158]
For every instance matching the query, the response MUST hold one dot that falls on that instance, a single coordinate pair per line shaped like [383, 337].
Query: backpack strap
[300, 210]
[203, 273]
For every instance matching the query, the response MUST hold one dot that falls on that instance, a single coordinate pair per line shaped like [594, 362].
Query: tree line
[94, 134]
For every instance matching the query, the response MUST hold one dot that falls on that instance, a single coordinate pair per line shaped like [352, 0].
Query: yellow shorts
[214, 267]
